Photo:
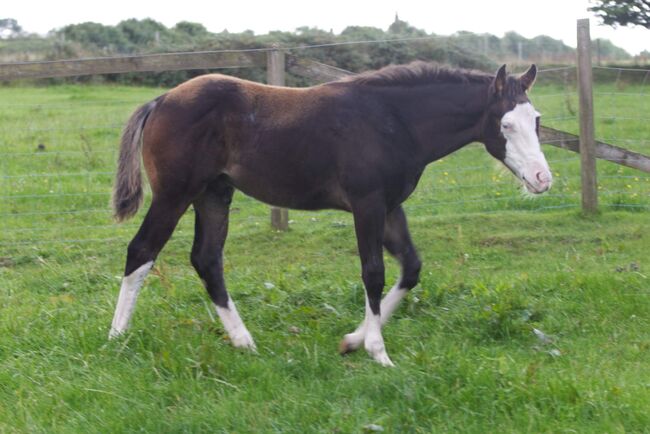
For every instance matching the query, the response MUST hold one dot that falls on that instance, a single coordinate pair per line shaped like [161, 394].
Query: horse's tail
[127, 191]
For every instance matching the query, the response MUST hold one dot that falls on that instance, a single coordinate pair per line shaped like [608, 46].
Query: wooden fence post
[275, 76]
[587, 139]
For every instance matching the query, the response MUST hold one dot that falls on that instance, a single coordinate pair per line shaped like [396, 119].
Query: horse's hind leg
[157, 227]
[211, 230]
[397, 241]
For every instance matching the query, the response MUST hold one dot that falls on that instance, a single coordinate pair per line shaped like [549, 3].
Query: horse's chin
[536, 189]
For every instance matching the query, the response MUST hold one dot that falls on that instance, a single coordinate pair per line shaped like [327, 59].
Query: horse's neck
[441, 118]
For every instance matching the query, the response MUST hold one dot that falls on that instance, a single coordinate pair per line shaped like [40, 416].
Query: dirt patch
[7, 262]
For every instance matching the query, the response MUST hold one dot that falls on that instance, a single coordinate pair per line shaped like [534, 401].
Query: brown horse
[358, 144]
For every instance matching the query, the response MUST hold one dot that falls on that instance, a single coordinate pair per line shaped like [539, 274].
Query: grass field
[497, 265]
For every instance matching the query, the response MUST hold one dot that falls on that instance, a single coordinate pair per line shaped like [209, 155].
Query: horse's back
[298, 148]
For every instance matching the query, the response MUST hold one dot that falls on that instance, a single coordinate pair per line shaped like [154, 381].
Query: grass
[497, 265]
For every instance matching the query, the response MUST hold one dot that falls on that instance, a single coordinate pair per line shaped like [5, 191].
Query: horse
[359, 144]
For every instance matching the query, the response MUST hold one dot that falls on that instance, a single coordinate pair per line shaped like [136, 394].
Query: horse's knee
[209, 269]
[203, 263]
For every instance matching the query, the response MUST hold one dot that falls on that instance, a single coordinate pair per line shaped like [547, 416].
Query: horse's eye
[506, 126]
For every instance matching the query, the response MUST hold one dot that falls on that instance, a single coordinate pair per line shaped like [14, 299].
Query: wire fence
[59, 145]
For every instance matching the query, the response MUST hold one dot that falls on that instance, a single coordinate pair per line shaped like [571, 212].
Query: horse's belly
[287, 191]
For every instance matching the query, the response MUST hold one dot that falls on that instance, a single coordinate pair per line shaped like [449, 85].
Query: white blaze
[523, 152]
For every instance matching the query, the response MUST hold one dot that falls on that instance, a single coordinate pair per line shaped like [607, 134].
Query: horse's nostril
[541, 176]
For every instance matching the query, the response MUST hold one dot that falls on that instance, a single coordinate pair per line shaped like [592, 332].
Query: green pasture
[498, 265]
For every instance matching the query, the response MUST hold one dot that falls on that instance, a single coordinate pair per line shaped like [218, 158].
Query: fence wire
[58, 154]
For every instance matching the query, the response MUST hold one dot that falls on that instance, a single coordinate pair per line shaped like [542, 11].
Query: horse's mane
[417, 73]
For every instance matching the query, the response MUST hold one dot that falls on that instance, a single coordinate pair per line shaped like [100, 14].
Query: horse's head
[511, 130]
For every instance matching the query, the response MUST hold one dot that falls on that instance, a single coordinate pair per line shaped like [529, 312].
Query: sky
[555, 18]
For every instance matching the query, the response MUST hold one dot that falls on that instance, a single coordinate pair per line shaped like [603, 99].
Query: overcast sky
[555, 18]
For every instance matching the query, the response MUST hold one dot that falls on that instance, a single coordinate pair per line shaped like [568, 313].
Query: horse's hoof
[245, 341]
[350, 343]
[384, 360]
[114, 333]
[377, 351]
[345, 347]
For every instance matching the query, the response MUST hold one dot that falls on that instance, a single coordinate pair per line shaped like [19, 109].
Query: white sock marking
[391, 300]
[232, 322]
[374, 342]
[352, 341]
[129, 291]
[369, 332]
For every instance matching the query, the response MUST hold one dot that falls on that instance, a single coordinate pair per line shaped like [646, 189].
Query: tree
[97, 35]
[623, 12]
[9, 28]
[510, 42]
[192, 30]
[606, 49]
[143, 33]
[363, 33]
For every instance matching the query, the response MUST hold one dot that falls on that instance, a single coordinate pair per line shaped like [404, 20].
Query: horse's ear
[499, 82]
[527, 79]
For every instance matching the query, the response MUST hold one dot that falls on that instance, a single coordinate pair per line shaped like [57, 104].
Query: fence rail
[123, 64]
[603, 151]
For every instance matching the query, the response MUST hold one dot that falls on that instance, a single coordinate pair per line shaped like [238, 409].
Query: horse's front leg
[369, 217]
[397, 241]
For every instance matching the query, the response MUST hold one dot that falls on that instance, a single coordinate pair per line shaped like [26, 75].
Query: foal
[358, 144]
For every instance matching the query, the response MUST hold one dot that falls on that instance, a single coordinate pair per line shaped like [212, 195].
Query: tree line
[132, 36]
